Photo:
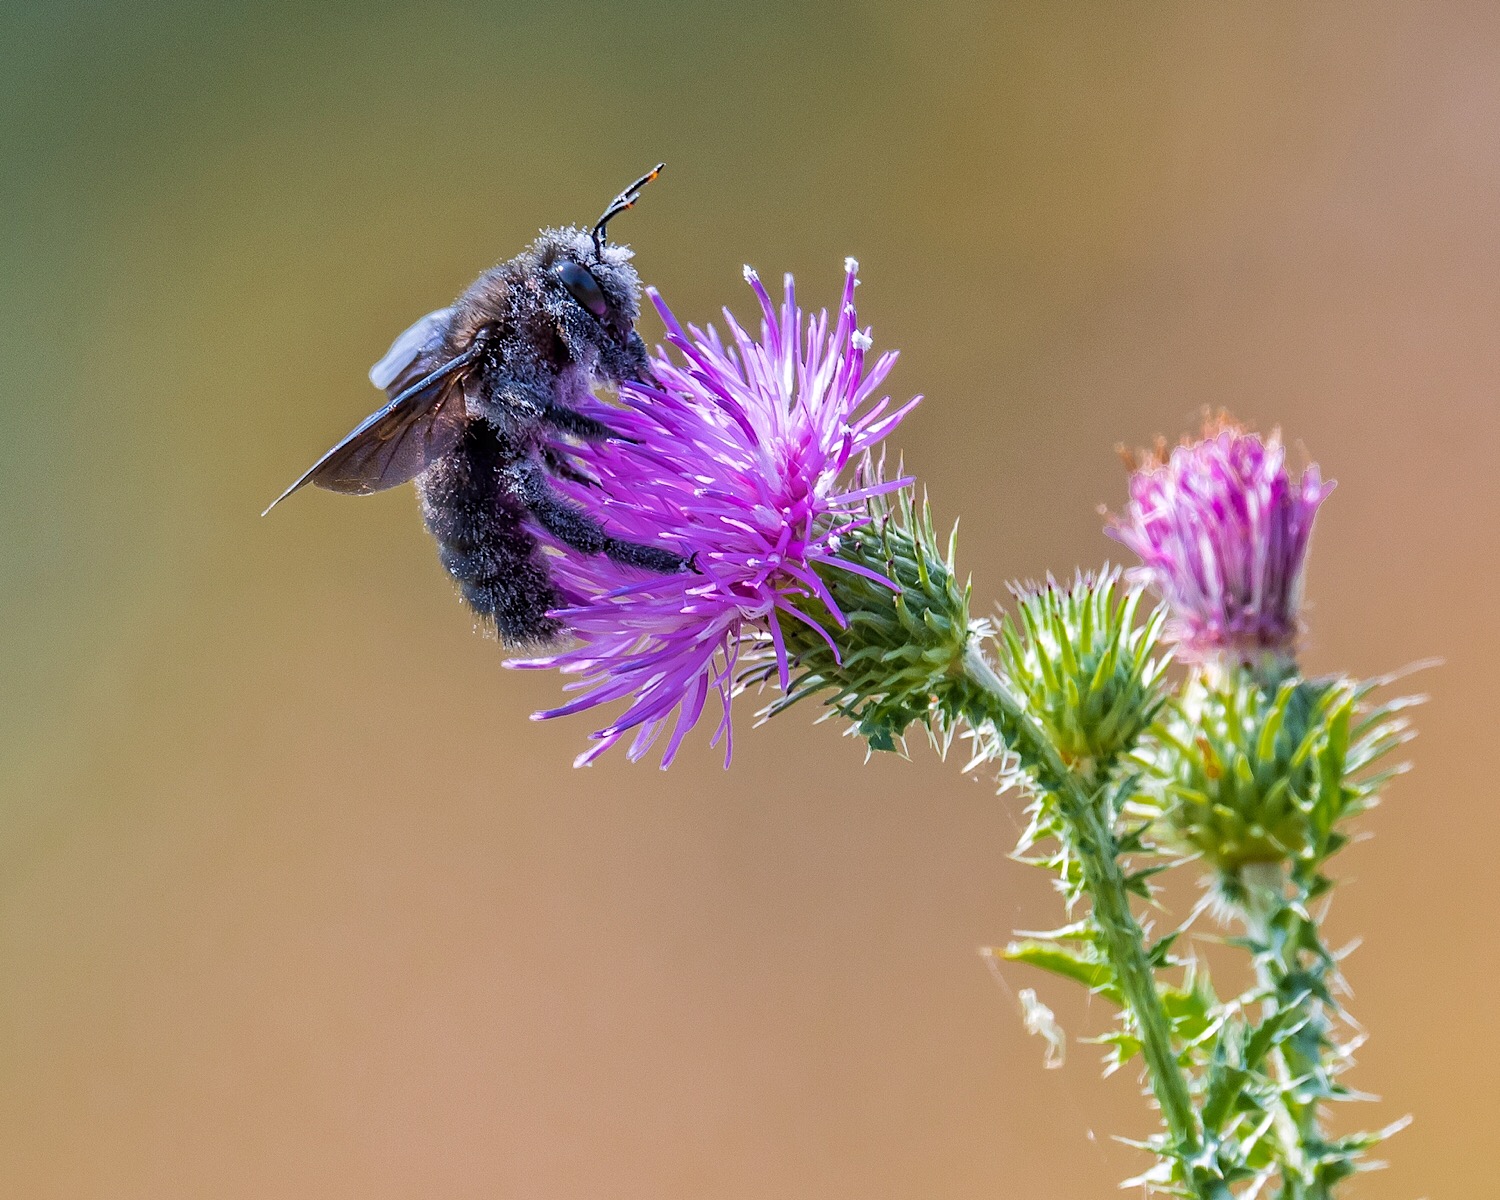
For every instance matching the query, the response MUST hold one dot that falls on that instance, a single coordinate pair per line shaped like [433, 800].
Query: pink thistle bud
[1222, 531]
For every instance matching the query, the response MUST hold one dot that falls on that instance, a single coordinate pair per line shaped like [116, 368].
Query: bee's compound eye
[583, 287]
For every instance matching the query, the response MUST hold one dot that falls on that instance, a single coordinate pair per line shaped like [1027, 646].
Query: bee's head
[594, 293]
[593, 299]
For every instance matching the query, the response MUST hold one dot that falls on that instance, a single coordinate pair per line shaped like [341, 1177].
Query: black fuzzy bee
[477, 392]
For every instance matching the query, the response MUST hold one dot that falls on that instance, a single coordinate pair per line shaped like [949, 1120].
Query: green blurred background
[295, 901]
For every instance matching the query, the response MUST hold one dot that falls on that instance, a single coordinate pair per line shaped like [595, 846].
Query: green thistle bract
[899, 658]
[1252, 774]
[1082, 665]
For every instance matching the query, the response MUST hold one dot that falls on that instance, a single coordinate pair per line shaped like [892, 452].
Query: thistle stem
[1124, 942]
[1298, 1125]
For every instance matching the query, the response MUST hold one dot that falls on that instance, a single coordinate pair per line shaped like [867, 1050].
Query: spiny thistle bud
[1222, 531]
[1249, 774]
[898, 658]
[1082, 666]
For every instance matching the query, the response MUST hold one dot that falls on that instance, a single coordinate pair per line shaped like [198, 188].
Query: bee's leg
[571, 525]
[576, 424]
[640, 361]
[558, 465]
[538, 404]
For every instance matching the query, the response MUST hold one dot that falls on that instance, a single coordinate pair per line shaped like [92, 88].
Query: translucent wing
[423, 423]
[412, 347]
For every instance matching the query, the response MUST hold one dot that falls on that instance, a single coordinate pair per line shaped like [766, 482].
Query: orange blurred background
[296, 902]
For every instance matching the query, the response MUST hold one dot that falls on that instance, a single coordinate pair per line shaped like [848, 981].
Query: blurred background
[295, 901]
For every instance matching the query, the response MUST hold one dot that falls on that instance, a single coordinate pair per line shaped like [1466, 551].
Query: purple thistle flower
[738, 458]
[1222, 532]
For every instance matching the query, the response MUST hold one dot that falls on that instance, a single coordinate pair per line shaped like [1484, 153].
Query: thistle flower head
[1222, 531]
[739, 457]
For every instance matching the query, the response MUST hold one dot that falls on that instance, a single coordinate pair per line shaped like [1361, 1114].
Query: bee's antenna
[620, 203]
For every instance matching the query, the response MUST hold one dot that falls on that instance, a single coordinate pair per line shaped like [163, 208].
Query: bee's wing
[423, 423]
[408, 350]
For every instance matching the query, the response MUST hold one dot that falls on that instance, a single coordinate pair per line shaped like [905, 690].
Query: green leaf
[1225, 1083]
[1157, 954]
[1190, 1010]
[1139, 881]
[1123, 1047]
[1267, 1034]
[1064, 961]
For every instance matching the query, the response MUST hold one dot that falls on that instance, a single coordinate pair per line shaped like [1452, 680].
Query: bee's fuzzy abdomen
[483, 541]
